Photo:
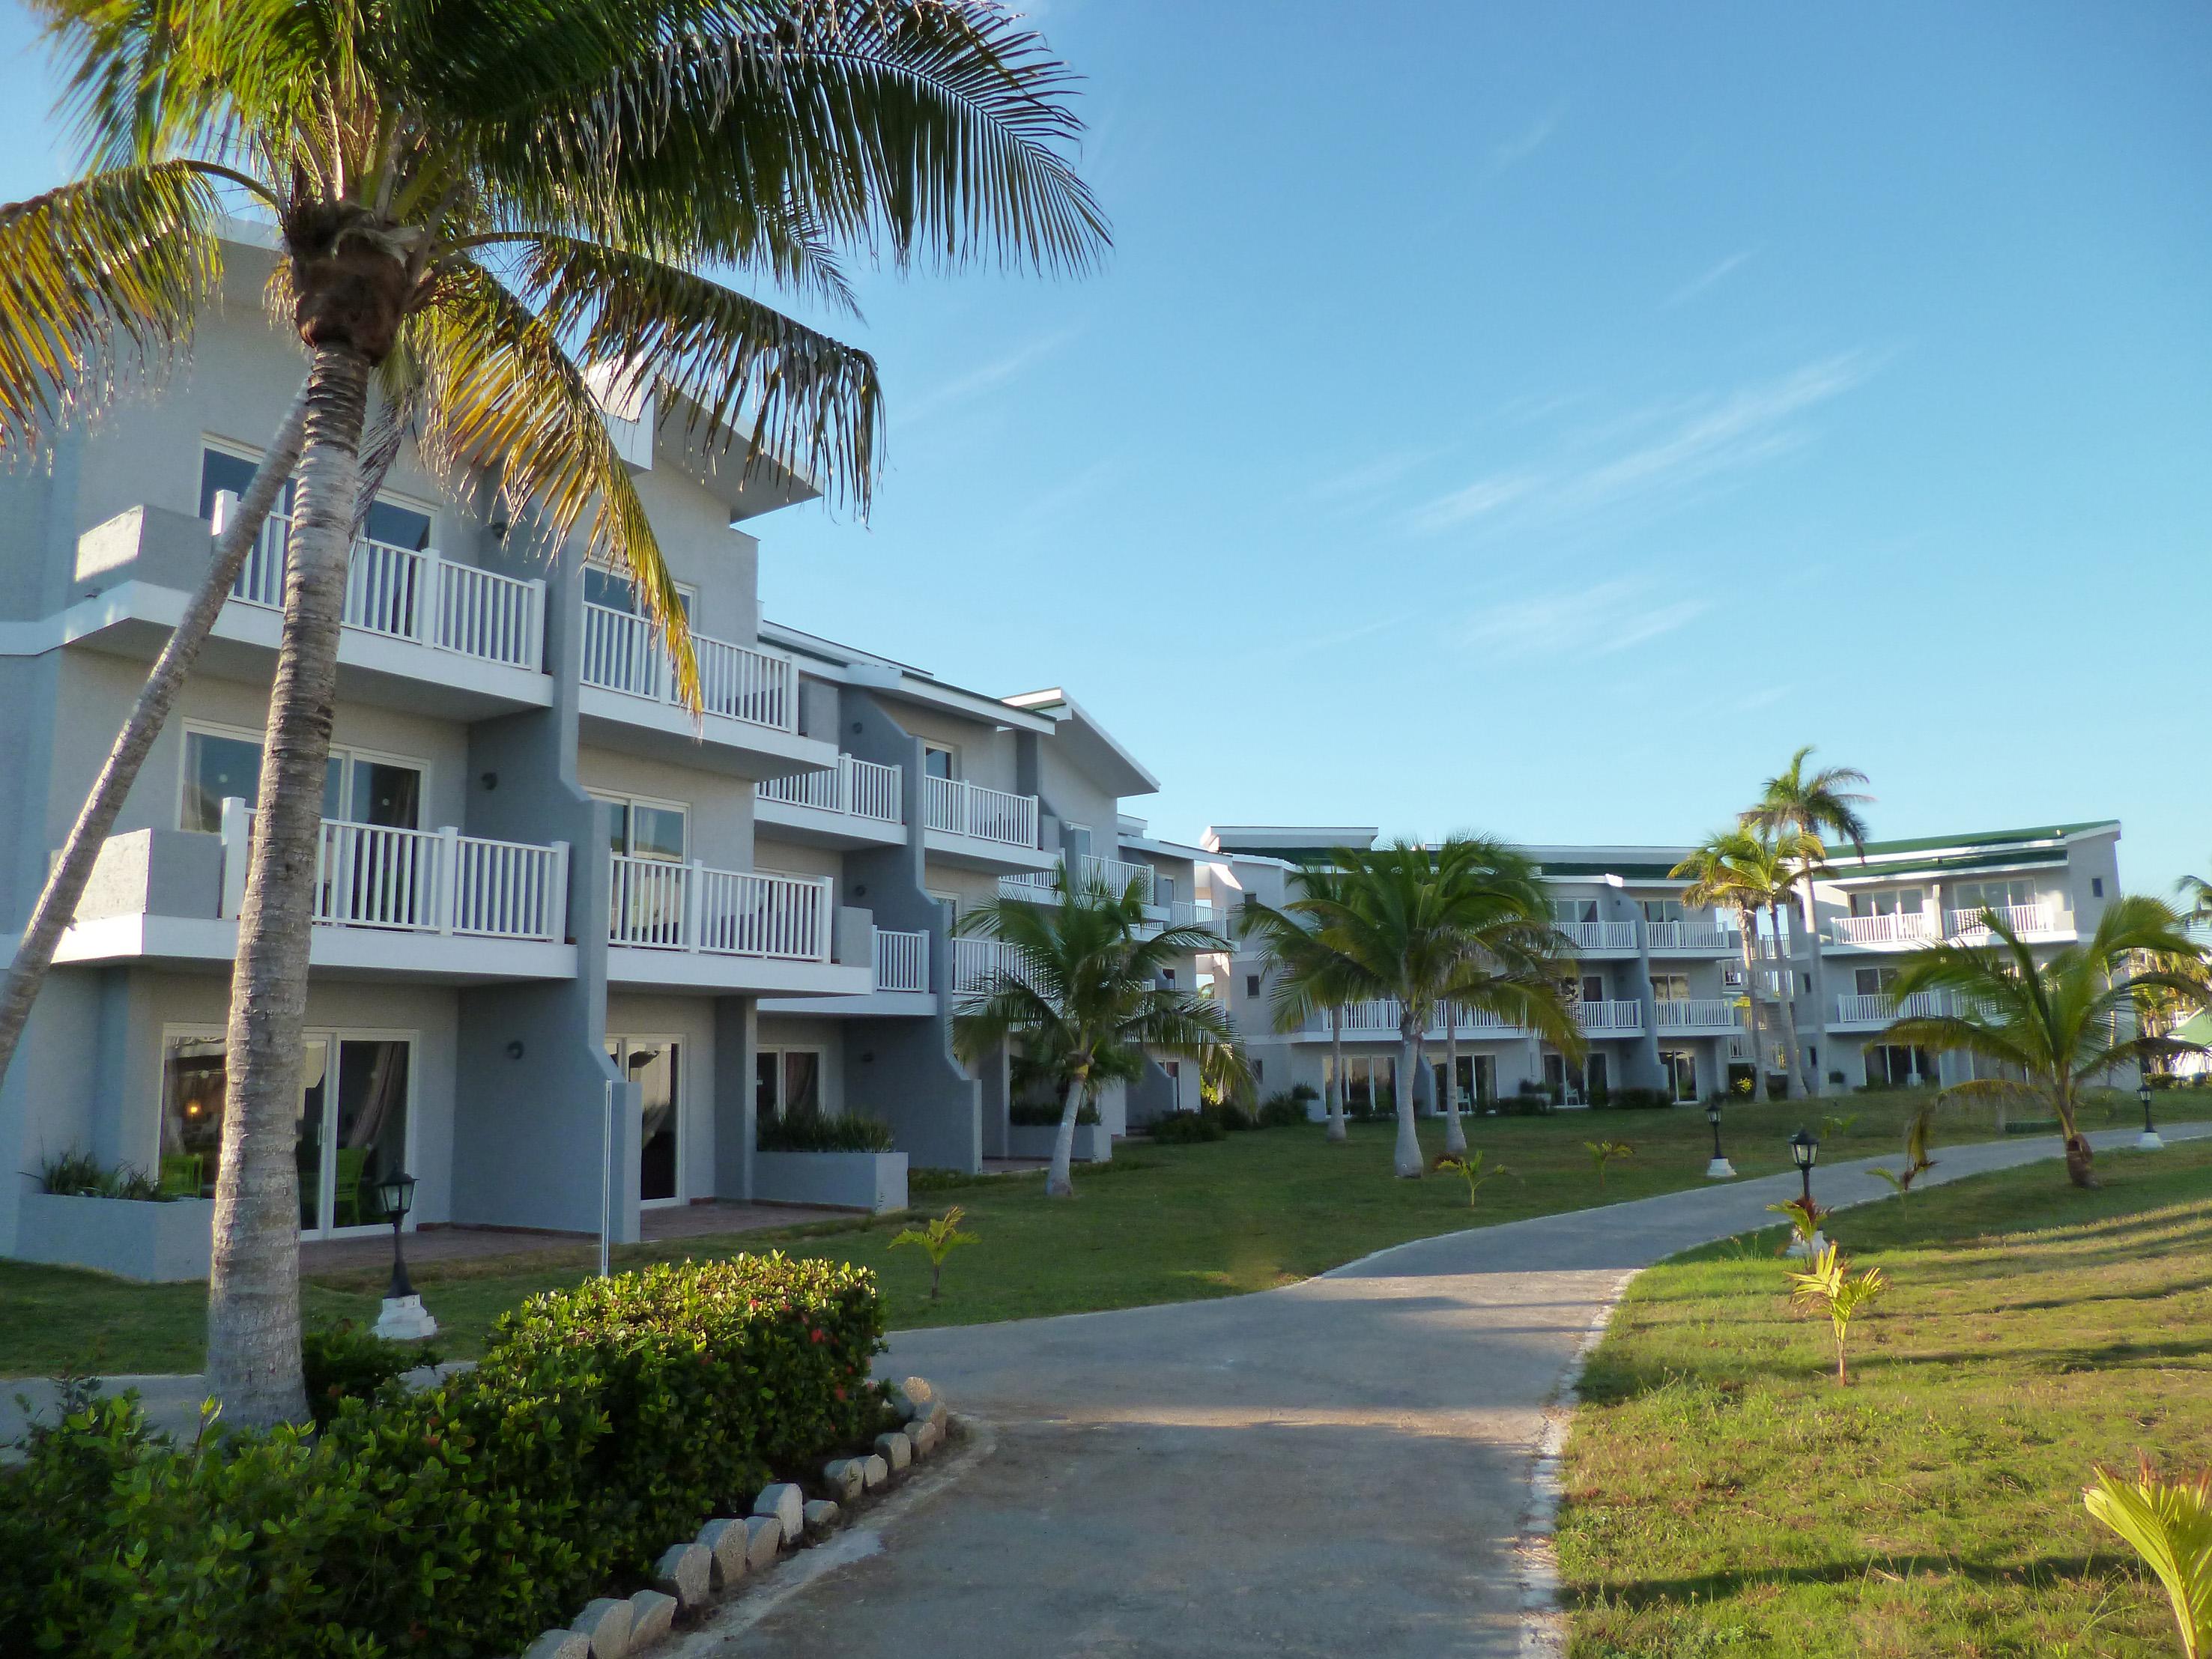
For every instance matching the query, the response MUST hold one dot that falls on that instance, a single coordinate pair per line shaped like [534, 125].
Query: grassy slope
[1725, 1497]
[1160, 1224]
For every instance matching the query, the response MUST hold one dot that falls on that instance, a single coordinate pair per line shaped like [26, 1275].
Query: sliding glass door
[654, 1064]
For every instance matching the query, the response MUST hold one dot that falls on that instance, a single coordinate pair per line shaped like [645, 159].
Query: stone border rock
[1543, 1619]
[691, 1578]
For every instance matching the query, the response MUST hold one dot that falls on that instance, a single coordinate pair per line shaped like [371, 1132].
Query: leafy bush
[1046, 1115]
[1285, 1108]
[80, 1175]
[1530, 1100]
[1187, 1128]
[1641, 1100]
[1232, 1118]
[814, 1132]
[604, 1423]
[343, 1361]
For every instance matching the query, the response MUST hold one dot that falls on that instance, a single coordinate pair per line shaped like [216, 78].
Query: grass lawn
[1165, 1224]
[1725, 1497]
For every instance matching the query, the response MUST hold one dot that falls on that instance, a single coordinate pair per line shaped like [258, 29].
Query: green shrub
[603, 1425]
[343, 1361]
[1285, 1108]
[1529, 1100]
[1187, 1128]
[1641, 1100]
[80, 1175]
[1047, 1116]
[1232, 1118]
[814, 1132]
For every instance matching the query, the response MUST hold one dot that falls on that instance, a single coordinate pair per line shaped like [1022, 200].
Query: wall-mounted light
[489, 780]
[498, 527]
[856, 728]
[860, 889]
[515, 1049]
[867, 1057]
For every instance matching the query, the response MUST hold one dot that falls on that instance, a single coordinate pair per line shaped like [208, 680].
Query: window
[1565, 911]
[394, 522]
[604, 586]
[1873, 981]
[2096, 887]
[1662, 910]
[787, 1083]
[225, 468]
[1681, 1068]
[653, 1064]
[1593, 987]
[1972, 897]
[641, 828]
[357, 788]
[1370, 1082]
[1904, 901]
[1670, 987]
[939, 760]
[1168, 978]
[1251, 985]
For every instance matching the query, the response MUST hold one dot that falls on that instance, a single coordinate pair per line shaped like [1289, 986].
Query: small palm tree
[1309, 977]
[1416, 923]
[1731, 869]
[1828, 1284]
[1797, 812]
[1086, 999]
[2061, 1023]
[476, 201]
[2169, 1522]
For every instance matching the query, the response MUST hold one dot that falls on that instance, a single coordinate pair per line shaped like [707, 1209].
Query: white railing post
[447, 876]
[429, 607]
[237, 842]
[694, 887]
[534, 620]
[226, 510]
[844, 782]
[825, 915]
[556, 896]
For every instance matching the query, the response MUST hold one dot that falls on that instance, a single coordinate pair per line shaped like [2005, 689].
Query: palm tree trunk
[1336, 1130]
[1059, 1180]
[253, 1289]
[57, 902]
[2081, 1162]
[1748, 922]
[1802, 1061]
[1455, 1135]
[1407, 1159]
[1789, 999]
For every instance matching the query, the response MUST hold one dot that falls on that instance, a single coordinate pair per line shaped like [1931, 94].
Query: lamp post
[2148, 1141]
[1804, 1152]
[1720, 1169]
[403, 1317]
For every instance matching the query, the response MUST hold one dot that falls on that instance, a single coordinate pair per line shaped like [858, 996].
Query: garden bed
[1093, 1144]
[155, 1241]
[875, 1181]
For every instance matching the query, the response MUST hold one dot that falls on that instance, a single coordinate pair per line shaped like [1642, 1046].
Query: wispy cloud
[1596, 620]
[1372, 478]
[1521, 145]
[1654, 458]
[981, 380]
[1714, 274]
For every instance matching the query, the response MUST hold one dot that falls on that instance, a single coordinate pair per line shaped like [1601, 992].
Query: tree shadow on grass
[1716, 1587]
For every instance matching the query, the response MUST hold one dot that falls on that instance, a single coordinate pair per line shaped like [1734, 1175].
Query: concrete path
[1340, 1468]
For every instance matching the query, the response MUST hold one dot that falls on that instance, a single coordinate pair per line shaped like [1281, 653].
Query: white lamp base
[2148, 1141]
[1720, 1169]
[405, 1319]
[1805, 1252]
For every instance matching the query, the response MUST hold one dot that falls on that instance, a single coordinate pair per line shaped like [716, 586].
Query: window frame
[346, 752]
[628, 802]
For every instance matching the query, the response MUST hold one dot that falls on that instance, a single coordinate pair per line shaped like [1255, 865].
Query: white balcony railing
[622, 653]
[1699, 1014]
[858, 789]
[1880, 1009]
[1600, 935]
[1039, 886]
[1690, 936]
[1899, 928]
[424, 881]
[969, 809]
[657, 905]
[1610, 1017]
[2022, 919]
[977, 963]
[405, 594]
[1195, 913]
[901, 959]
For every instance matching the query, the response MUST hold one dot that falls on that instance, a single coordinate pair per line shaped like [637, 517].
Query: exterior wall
[719, 827]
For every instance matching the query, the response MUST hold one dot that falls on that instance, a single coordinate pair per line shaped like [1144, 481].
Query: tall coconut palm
[1309, 977]
[1801, 811]
[2060, 1023]
[1510, 969]
[2198, 892]
[1410, 918]
[1086, 1000]
[1730, 869]
[474, 202]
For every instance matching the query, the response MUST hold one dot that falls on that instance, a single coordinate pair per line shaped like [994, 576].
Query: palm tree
[2058, 1023]
[1509, 970]
[1309, 977]
[1798, 811]
[1086, 1000]
[1418, 924]
[1727, 869]
[474, 202]
[2198, 892]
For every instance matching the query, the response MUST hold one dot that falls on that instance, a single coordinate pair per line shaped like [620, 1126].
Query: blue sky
[1544, 419]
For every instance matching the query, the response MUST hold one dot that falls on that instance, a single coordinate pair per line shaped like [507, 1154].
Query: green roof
[1624, 871]
[1988, 837]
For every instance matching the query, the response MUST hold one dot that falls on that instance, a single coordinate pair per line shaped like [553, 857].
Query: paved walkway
[1339, 1467]
[443, 1243]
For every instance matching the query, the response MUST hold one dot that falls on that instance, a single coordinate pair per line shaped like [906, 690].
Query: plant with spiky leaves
[936, 1240]
[1308, 977]
[1474, 1169]
[1085, 998]
[2169, 1523]
[1604, 1152]
[2060, 1023]
[475, 202]
[1917, 1160]
[1828, 1284]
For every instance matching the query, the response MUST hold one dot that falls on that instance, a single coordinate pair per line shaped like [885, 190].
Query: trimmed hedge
[1186, 1129]
[817, 1132]
[604, 1423]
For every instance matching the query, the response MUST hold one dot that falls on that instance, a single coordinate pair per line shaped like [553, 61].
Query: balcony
[748, 700]
[2026, 921]
[1594, 938]
[1610, 1019]
[433, 902]
[1880, 1009]
[687, 926]
[901, 960]
[985, 828]
[977, 962]
[1040, 886]
[1697, 1015]
[856, 803]
[1691, 938]
[1901, 929]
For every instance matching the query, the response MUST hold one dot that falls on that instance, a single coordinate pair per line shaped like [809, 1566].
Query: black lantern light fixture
[2148, 1141]
[1805, 1152]
[396, 1193]
[1720, 1169]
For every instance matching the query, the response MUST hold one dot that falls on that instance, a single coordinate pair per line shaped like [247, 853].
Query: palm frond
[97, 278]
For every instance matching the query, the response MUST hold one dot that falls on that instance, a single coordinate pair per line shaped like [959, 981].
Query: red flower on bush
[817, 1335]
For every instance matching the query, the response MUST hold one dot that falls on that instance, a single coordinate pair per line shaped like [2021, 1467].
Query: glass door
[654, 1065]
[353, 1124]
